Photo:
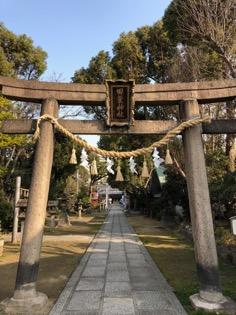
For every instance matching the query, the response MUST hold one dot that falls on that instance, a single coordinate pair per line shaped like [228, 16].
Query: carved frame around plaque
[120, 102]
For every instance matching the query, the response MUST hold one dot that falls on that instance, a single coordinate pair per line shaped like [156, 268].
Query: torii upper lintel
[95, 94]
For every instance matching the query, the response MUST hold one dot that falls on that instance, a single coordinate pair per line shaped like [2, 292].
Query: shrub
[174, 192]
[6, 215]
[224, 195]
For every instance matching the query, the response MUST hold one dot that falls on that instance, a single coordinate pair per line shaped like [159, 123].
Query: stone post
[26, 298]
[107, 198]
[16, 211]
[22, 227]
[210, 296]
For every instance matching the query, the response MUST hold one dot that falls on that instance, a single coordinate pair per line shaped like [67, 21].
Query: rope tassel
[94, 170]
[145, 172]
[119, 176]
[168, 158]
[73, 159]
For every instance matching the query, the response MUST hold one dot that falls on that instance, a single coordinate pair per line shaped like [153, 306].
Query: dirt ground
[61, 252]
[174, 256]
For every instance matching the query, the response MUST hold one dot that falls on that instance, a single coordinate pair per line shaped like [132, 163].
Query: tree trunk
[230, 138]
[232, 156]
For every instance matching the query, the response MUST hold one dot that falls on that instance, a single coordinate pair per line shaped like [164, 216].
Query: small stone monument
[53, 221]
[1, 246]
[233, 224]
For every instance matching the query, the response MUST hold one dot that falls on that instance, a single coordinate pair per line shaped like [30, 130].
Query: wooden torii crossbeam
[188, 96]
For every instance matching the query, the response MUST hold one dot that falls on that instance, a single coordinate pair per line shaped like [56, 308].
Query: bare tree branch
[176, 164]
[213, 22]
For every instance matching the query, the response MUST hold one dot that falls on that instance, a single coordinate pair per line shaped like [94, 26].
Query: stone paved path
[117, 276]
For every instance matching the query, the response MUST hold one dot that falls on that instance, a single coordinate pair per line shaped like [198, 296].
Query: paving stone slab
[141, 272]
[96, 262]
[117, 241]
[93, 284]
[99, 251]
[112, 266]
[137, 263]
[80, 313]
[118, 306]
[135, 256]
[101, 242]
[116, 245]
[94, 272]
[133, 251]
[117, 258]
[132, 248]
[160, 312]
[100, 248]
[114, 253]
[119, 248]
[131, 239]
[117, 275]
[98, 256]
[147, 285]
[103, 236]
[149, 300]
[117, 289]
[117, 255]
[85, 301]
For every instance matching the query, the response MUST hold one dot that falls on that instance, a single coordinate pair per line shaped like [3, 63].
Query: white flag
[84, 159]
[132, 166]
[157, 160]
[110, 163]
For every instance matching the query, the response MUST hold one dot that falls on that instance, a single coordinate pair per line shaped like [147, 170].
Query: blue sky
[73, 31]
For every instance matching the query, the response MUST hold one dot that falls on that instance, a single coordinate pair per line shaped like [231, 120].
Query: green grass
[175, 258]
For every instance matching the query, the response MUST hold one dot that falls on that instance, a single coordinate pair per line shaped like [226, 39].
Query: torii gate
[188, 96]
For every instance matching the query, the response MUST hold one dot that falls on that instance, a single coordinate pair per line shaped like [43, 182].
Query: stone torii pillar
[26, 299]
[210, 296]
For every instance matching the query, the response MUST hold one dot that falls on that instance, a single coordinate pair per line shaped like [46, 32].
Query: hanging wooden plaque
[120, 102]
